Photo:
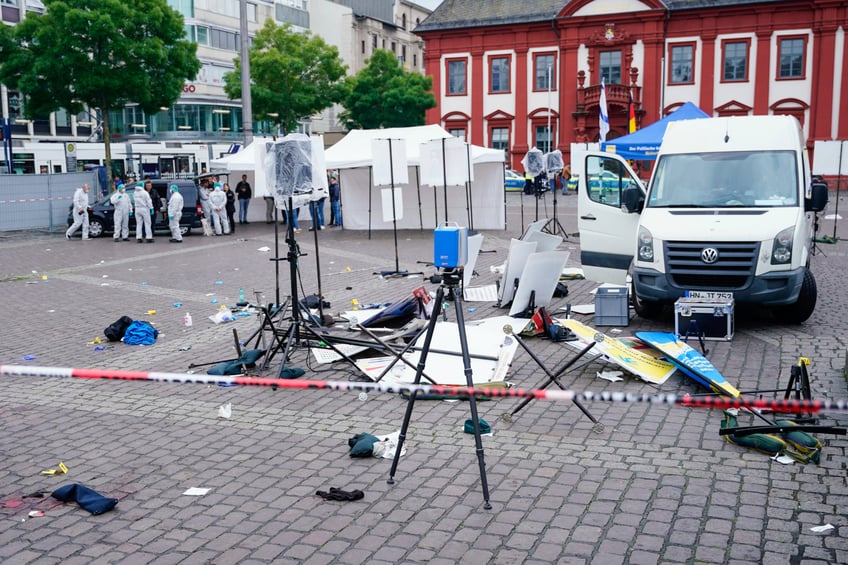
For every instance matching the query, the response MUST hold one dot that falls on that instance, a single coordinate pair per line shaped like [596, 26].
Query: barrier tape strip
[26, 200]
[777, 405]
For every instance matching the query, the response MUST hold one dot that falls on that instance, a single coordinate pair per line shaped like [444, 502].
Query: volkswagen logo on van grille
[709, 255]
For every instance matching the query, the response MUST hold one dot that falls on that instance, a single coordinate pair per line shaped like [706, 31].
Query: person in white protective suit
[175, 212]
[218, 201]
[143, 214]
[81, 207]
[203, 193]
[123, 211]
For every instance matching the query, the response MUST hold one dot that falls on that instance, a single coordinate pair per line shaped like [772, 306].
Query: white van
[728, 212]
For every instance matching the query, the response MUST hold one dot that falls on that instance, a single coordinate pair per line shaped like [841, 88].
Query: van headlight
[646, 245]
[781, 249]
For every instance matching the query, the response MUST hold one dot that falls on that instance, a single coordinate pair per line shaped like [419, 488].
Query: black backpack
[116, 330]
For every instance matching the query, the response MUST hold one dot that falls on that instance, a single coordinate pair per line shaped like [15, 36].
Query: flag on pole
[631, 115]
[603, 117]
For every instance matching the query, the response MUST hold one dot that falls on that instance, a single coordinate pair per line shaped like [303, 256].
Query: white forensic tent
[250, 158]
[423, 206]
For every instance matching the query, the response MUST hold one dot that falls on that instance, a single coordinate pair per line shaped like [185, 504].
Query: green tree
[293, 75]
[98, 53]
[384, 95]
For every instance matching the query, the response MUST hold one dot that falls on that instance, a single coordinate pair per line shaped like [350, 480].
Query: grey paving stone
[658, 485]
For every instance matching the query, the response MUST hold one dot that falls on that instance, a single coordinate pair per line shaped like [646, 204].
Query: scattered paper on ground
[821, 529]
[611, 376]
[322, 355]
[196, 491]
[582, 308]
[488, 293]
[490, 348]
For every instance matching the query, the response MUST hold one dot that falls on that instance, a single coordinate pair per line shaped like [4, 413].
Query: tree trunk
[107, 148]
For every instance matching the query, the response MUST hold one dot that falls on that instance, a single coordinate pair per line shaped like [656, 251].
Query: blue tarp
[645, 143]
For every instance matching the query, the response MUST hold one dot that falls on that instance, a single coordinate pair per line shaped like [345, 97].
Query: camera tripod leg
[466, 360]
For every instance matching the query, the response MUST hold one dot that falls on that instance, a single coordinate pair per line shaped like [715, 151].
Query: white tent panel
[423, 206]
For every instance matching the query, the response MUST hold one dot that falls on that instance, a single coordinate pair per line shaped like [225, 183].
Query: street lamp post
[247, 111]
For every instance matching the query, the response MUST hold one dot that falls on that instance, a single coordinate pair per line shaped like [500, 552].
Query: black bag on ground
[116, 330]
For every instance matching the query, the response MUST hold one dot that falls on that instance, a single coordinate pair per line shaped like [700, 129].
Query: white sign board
[827, 158]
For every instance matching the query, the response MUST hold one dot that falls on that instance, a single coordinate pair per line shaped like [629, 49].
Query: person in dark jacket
[244, 195]
[231, 206]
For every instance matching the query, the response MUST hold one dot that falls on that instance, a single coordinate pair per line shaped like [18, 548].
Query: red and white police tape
[777, 405]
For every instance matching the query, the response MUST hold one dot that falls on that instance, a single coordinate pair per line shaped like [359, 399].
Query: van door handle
[589, 217]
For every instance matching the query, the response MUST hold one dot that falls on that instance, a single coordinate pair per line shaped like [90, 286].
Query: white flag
[603, 117]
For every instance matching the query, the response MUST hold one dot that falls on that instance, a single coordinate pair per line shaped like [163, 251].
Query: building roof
[454, 14]
[458, 14]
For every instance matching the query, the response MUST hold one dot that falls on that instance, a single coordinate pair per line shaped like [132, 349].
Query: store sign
[70, 157]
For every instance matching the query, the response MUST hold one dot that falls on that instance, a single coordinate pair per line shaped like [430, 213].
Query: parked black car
[101, 218]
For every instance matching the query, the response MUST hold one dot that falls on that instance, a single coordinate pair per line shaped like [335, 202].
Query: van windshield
[757, 179]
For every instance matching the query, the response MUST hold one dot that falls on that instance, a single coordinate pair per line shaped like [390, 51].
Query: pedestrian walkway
[658, 484]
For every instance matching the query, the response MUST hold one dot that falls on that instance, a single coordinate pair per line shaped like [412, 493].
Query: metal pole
[247, 111]
[550, 134]
[838, 182]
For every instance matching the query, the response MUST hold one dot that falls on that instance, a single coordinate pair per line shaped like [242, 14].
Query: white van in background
[728, 212]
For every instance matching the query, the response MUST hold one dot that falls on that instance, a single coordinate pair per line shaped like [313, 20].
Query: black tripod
[291, 336]
[396, 272]
[451, 279]
[553, 226]
[539, 193]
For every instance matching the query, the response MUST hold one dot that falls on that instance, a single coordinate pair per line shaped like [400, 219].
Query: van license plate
[709, 295]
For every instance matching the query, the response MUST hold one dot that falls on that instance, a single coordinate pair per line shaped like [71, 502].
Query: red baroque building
[512, 74]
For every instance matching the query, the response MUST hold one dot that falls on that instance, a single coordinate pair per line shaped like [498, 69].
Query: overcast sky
[429, 4]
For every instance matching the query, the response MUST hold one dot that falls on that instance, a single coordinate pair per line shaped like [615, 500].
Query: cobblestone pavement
[657, 485]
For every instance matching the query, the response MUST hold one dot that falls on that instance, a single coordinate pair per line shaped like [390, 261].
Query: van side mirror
[632, 200]
[818, 198]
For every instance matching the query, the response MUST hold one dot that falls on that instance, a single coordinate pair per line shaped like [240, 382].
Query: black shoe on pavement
[117, 239]
[139, 241]
[126, 239]
[149, 241]
[67, 237]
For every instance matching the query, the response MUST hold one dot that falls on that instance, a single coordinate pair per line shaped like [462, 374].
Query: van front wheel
[647, 309]
[804, 306]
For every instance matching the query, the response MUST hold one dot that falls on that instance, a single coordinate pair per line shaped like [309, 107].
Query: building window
[543, 139]
[223, 39]
[373, 41]
[681, 59]
[456, 77]
[500, 139]
[544, 69]
[791, 57]
[415, 60]
[735, 65]
[499, 77]
[457, 132]
[363, 46]
[184, 7]
[63, 118]
[394, 47]
[403, 21]
[610, 66]
[403, 53]
[13, 3]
